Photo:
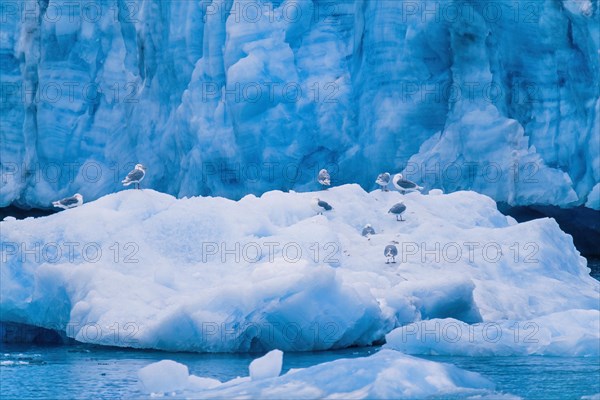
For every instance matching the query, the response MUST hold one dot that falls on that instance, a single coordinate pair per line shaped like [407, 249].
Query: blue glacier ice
[229, 97]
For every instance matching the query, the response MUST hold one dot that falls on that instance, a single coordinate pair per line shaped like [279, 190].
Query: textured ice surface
[268, 366]
[574, 332]
[387, 374]
[229, 97]
[164, 376]
[143, 269]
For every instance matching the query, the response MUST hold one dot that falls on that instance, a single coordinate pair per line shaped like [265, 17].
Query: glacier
[143, 269]
[229, 97]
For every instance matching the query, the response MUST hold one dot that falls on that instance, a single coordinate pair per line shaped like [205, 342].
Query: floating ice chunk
[387, 374]
[196, 383]
[11, 363]
[181, 274]
[268, 366]
[568, 333]
[164, 376]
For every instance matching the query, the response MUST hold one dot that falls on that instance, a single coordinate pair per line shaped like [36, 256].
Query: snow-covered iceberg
[386, 374]
[229, 97]
[575, 332]
[143, 269]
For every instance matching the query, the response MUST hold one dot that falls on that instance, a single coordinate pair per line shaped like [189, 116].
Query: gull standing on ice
[69, 202]
[135, 176]
[368, 230]
[390, 252]
[319, 205]
[398, 209]
[383, 180]
[404, 185]
[324, 178]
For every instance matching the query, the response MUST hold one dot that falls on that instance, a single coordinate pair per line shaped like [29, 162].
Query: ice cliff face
[228, 97]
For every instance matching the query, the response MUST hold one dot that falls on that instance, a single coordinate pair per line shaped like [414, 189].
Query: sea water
[77, 372]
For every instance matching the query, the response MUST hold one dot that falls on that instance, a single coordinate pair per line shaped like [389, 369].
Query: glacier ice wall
[228, 97]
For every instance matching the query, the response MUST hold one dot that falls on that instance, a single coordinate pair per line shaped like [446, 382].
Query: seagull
[391, 251]
[404, 185]
[383, 180]
[69, 202]
[368, 230]
[398, 209]
[319, 205]
[135, 176]
[324, 178]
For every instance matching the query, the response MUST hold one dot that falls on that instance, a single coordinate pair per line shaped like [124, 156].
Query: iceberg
[164, 376]
[386, 374]
[268, 366]
[574, 332]
[229, 97]
[142, 269]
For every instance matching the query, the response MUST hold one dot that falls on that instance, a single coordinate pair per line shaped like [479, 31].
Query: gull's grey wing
[368, 231]
[383, 179]
[134, 175]
[390, 250]
[406, 184]
[325, 205]
[69, 201]
[398, 208]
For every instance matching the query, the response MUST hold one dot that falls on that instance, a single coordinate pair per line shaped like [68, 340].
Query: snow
[234, 97]
[142, 269]
[268, 366]
[574, 332]
[386, 374]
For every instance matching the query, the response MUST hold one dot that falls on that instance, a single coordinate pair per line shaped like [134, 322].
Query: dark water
[594, 265]
[535, 377]
[82, 371]
[580, 222]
